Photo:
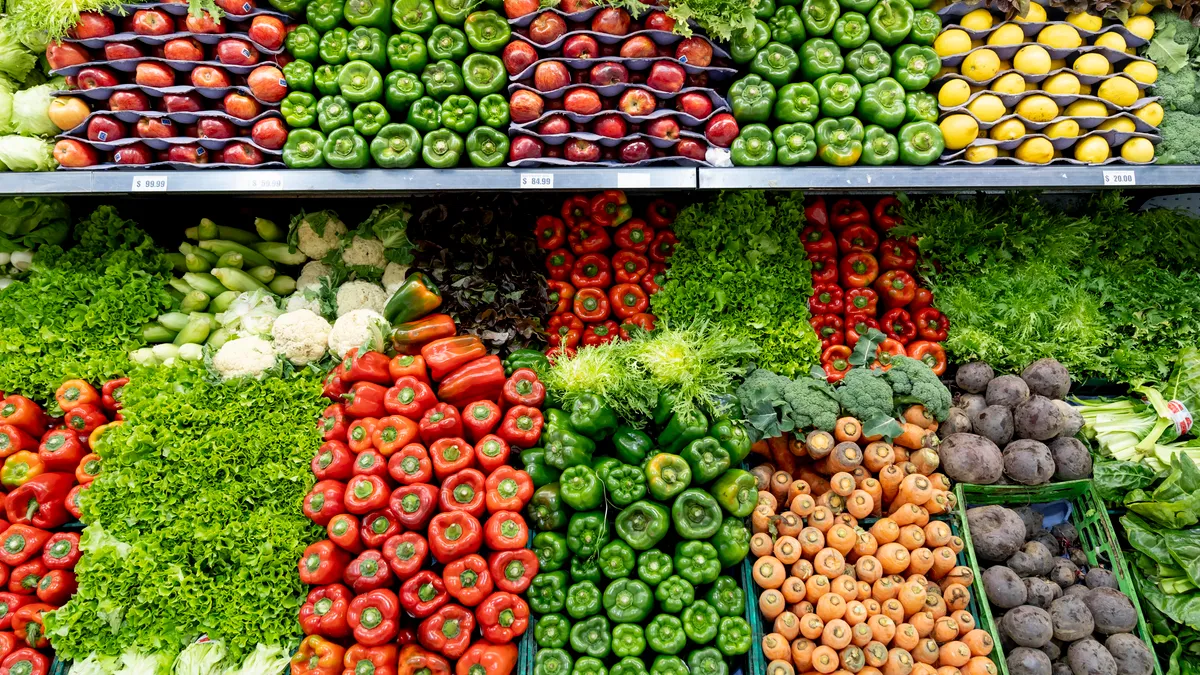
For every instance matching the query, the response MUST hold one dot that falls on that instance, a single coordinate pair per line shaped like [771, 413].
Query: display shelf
[950, 178]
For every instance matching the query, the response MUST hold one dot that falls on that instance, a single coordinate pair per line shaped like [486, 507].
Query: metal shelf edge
[950, 178]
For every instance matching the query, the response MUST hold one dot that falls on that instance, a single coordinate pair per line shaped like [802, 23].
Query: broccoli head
[1180, 139]
[865, 395]
[813, 403]
[1178, 90]
[914, 382]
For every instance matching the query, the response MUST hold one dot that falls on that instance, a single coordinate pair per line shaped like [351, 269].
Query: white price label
[1119, 178]
[264, 181]
[149, 184]
[632, 179]
[537, 181]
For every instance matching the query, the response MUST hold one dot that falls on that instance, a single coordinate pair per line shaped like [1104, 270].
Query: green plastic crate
[59, 667]
[1096, 537]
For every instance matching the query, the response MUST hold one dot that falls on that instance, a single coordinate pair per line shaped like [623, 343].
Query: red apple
[659, 21]
[152, 22]
[554, 124]
[695, 104]
[96, 77]
[68, 112]
[687, 147]
[155, 127]
[694, 50]
[92, 25]
[551, 75]
[554, 151]
[241, 153]
[209, 76]
[151, 74]
[663, 127]
[579, 77]
[721, 130]
[75, 154]
[117, 51]
[582, 101]
[612, 21]
[63, 54]
[518, 56]
[204, 23]
[608, 72]
[183, 49]
[270, 133]
[572, 6]
[216, 127]
[639, 47]
[101, 128]
[518, 8]
[267, 31]
[637, 102]
[525, 147]
[580, 47]
[525, 106]
[237, 7]
[547, 28]
[129, 100]
[189, 102]
[635, 151]
[666, 76]
[241, 106]
[580, 150]
[612, 126]
[267, 83]
[138, 153]
[192, 153]
[697, 80]
[236, 53]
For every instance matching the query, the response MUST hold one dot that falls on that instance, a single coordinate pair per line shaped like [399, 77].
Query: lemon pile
[1036, 38]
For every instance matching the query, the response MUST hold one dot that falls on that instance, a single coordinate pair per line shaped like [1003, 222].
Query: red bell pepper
[630, 267]
[23, 414]
[633, 237]
[635, 323]
[463, 491]
[83, 419]
[333, 461]
[365, 494]
[408, 365]
[858, 239]
[333, 387]
[931, 354]
[886, 353]
[379, 660]
[20, 468]
[369, 367]
[88, 469]
[862, 301]
[317, 656]
[932, 325]
[61, 551]
[897, 325]
[551, 232]
[826, 299]
[423, 594]
[410, 396]
[23, 580]
[9, 604]
[410, 336]
[343, 530]
[374, 617]
[818, 240]
[847, 212]
[358, 435]
[836, 362]
[13, 440]
[564, 330]
[523, 388]
[829, 329]
[414, 504]
[111, 393]
[25, 661]
[858, 270]
[41, 501]
[468, 580]
[365, 399]
[824, 269]
[897, 255]
[591, 305]
[410, 465]
[481, 379]
[574, 209]
[887, 213]
[56, 587]
[480, 419]
[591, 271]
[505, 531]
[8, 643]
[20, 543]
[370, 463]
[485, 658]
[405, 553]
[559, 264]
[663, 246]
[447, 631]
[322, 563]
[661, 212]
[491, 453]
[654, 278]
[325, 500]
[815, 212]
[503, 617]
[451, 455]
[368, 572]
[446, 355]
[74, 393]
[610, 208]
[393, 433]
[415, 660]
[857, 326]
[507, 489]
[553, 353]
[333, 423]
[440, 421]
[627, 300]
[73, 505]
[562, 294]
[522, 426]
[5, 573]
[922, 298]
[896, 288]
[29, 624]
[378, 527]
[587, 238]
[513, 571]
[454, 534]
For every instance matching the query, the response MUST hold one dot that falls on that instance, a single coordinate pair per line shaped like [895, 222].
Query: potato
[1040, 593]
[1066, 532]
[974, 377]
[1003, 587]
[1072, 418]
[1132, 655]
[1071, 618]
[1037, 418]
[1077, 556]
[968, 458]
[1072, 461]
[1064, 573]
[1048, 540]
[972, 404]
[1032, 519]
[1061, 668]
[1078, 589]
[1047, 377]
[997, 532]
[1008, 390]
[956, 422]
[1026, 661]
[1111, 610]
[1028, 462]
[1098, 576]
[1032, 560]
[1028, 626]
[1053, 649]
[994, 423]
[1088, 657]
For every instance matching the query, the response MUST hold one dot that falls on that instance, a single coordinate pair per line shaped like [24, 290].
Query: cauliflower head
[356, 329]
[360, 295]
[244, 357]
[301, 336]
[317, 234]
[393, 277]
[364, 258]
[312, 273]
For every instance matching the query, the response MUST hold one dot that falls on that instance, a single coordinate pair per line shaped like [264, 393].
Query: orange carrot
[909, 514]
[923, 622]
[959, 575]
[957, 596]
[916, 414]
[859, 474]
[780, 667]
[831, 606]
[922, 668]
[770, 603]
[774, 646]
[979, 642]
[796, 446]
[911, 537]
[845, 586]
[802, 651]
[926, 461]
[819, 443]
[947, 670]
[793, 590]
[765, 497]
[817, 483]
[860, 634]
[864, 592]
[870, 603]
[944, 560]
[914, 489]
[811, 626]
[860, 504]
[885, 531]
[760, 544]
[798, 487]
[787, 625]
[811, 540]
[768, 572]
[825, 659]
[878, 455]
[926, 652]
[979, 665]
[856, 613]
[899, 662]
[882, 627]
[966, 622]
[829, 562]
[889, 478]
[954, 653]
[935, 604]
[870, 670]
[906, 637]
[901, 455]
[789, 524]
[920, 560]
[940, 481]
[937, 533]
[884, 589]
[940, 502]
[956, 544]
[802, 608]
[868, 569]
[782, 457]
[893, 557]
[892, 609]
[945, 630]
[847, 429]
[761, 448]
[912, 597]
[816, 587]
[841, 538]
[844, 457]
[913, 438]
[787, 550]
[802, 570]
[821, 518]
[836, 634]
[875, 653]
[846, 519]
[803, 504]
[781, 481]
[762, 518]
[865, 545]
[842, 484]
[852, 658]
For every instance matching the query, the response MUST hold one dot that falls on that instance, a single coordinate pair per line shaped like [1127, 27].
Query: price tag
[264, 181]
[537, 181]
[1119, 178]
[149, 184]
[627, 180]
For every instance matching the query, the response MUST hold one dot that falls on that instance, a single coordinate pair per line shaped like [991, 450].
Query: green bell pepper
[406, 51]
[696, 514]
[299, 108]
[920, 107]
[587, 532]
[921, 143]
[359, 82]
[586, 569]
[683, 428]
[484, 74]
[675, 593]
[368, 13]
[668, 664]
[667, 475]
[447, 42]
[493, 110]
[879, 147]
[401, 90]
[617, 560]
[547, 592]
[532, 359]
[797, 102]
[546, 509]
[442, 79]
[303, 149]
[325, 15]
[333, 112]
[628, 601]
[700, 622]
[552, 631]
[882, 103]
[589, 665]
[487, 31]
[628, 639]
[459, 113]
[776, 63]
[299, 76]
[346, 149]
[583, 600]
[733, 636]
[819, 16]
[861, 6]
[839, 141]
[370, 118]
[564, 447]
[643, 524]
[303, 43]
[333, 46]
[705, 455]
[592, 637]
[631, 445]
[732, 541]
[581, 489]
[551, 551]
[925, 29]
[891, 21]
[795, 143]
[414, 16]
[552, 662]
[368, 44]
[915, 66]
[453, 11]
[487, 147]
[325, 79]
[869, 62]
[697, 562]
[765, 9]
[734, 490]
[630, 665]
[664, 634]
[289, 6]
[787, 28]
[747, 41]
[707, 661]
[592, 418]
[851, 30]
[751, 99]
[820, 56]
[665, 406]
[654, 566]
[534, 459]
[625, 484]
[604, 466]
[733, 437]
[727, 597]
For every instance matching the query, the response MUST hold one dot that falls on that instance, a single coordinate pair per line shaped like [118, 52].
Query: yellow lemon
[1062, 129]
[947, 70]
[1036, 14]
[1118, 91]
[1055, 64]
[987, 107]
[1112, 39]
[1092, 64]
[1037, 108]
[1032, 86]
[1085, 21]
[1137, 150]
[1151, 113]
[959, 131]
[1087, 109]
[951, 42]
[1035, 151]
[978, 88]
[954, 92]
[980, 153]
[1118, 124]
[1032, 59]
[1142, 71]
[1085, 90]
[980, 19]
[1061, 83]
[1012, 83]
[1060, 35]
[981, 64]
[1093, 150]
[1143, 8]
[1008, 130]
[1005, 65]
[1141, 26]
[976, 43]
[1006, 34]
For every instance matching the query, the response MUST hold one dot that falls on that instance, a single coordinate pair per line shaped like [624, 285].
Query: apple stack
[162, 88]
[599, 87]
